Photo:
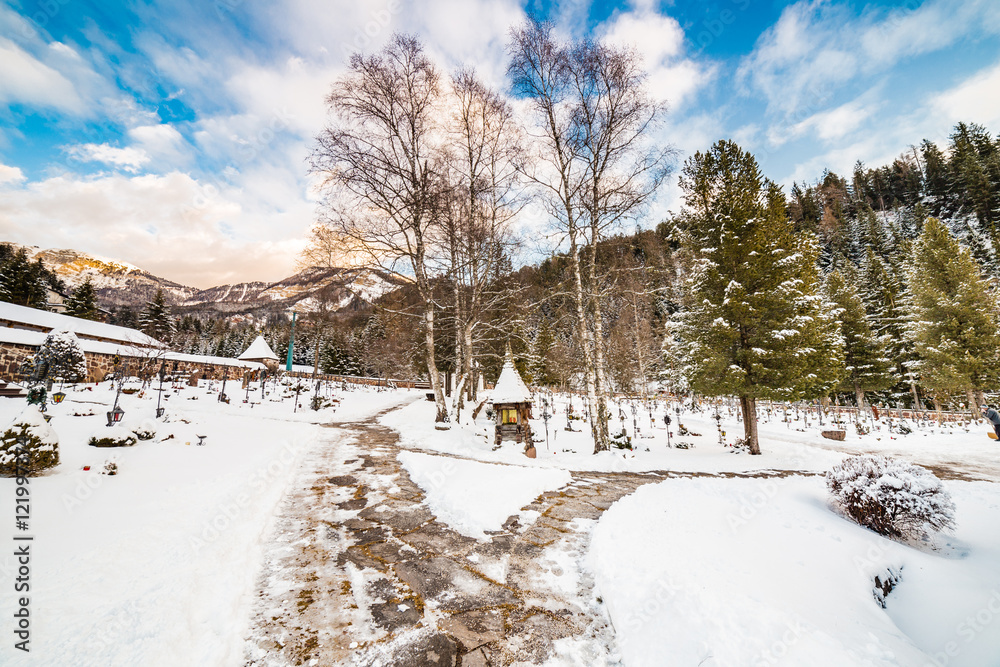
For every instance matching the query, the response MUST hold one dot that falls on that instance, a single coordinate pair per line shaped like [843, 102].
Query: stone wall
[373, 382]
[13, 355]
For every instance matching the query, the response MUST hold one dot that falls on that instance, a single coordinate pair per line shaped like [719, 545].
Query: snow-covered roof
[510, 388]
[32, 317]
[36, 338]
[259, 349]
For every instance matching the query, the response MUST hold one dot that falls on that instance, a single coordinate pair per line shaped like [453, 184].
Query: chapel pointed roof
[510, 388]
[259, 349]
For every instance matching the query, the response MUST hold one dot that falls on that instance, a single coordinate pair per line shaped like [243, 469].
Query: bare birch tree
[593, 164]
[379, 161]
[484, 149]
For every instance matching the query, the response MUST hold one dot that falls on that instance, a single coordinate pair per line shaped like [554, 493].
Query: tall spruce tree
[757, 326]
[867, 365]
[83, 302]
[955, 322]
[156, 320]
[25, 282]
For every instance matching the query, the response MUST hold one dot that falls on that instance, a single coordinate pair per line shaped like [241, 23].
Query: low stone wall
[12, 356]
[372, 382]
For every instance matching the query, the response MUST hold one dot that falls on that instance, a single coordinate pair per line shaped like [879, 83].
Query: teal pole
[291, 341]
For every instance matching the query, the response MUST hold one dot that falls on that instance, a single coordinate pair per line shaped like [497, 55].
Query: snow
[474, 497]
[22, 316]
[157, 565]
[762, 572]
[510, 388]
[259, 349]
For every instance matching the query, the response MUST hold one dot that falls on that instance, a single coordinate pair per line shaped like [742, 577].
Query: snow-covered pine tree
[868, 367]
[83, 302]
[60, 357]
[955, 323]
[757, 326]
[673, 358]
[156, 320]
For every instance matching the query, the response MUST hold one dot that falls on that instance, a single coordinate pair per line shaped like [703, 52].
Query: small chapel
[512, 405]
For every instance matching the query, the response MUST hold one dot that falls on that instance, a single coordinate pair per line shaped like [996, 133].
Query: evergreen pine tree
[83, 302]
[954, 324]
[757, 326]
[24, 281]
[59, 357]
[866, 363]
[156, 320]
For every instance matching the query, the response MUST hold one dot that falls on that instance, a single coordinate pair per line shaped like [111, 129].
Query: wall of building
[13, 355]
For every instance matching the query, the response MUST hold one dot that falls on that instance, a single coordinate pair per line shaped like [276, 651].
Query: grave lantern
[115, 416]
[58, 397]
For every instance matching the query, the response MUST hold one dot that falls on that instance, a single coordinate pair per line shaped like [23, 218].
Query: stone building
[23, 330]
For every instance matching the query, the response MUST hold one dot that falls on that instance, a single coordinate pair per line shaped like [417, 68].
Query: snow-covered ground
[793, 445]
[157, 564]
[474, 497]
[763, 572]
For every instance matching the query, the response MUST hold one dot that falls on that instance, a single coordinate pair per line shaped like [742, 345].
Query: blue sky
[174, 135]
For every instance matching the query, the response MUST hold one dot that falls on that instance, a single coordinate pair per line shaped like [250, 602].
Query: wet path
[359, 572]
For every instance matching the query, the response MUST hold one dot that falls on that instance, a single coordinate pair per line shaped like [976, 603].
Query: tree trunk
[597, 327]
[432, 371]
[970, 396]
[937, 408]
[916, 399]
[316, 360]
[602, 442]
[749, 406]
[859, 395]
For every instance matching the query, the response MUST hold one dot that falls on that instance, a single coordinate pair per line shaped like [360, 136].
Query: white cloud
[815, 47]
[170, 225]
[659, 39]
[10, 175]
[827, 126]
[162, 143]
[976, 99]
[26, 80]
[129, 159]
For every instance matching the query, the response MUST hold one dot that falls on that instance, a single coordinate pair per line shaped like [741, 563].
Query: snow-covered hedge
[112, 438]
[891, 497]
[40, 444]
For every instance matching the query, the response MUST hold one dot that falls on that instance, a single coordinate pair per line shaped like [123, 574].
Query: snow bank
[474, 497]
[157, 565]
[735, 572]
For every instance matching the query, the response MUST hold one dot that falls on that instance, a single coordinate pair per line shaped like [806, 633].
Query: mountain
[123, 284]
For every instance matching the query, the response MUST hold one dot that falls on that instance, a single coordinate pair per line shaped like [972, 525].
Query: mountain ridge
[120, 284]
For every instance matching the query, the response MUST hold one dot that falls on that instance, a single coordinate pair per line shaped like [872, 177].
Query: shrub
[112, 440]
[891, 497]
[30, 439]
[621, 440]
[143, 433]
